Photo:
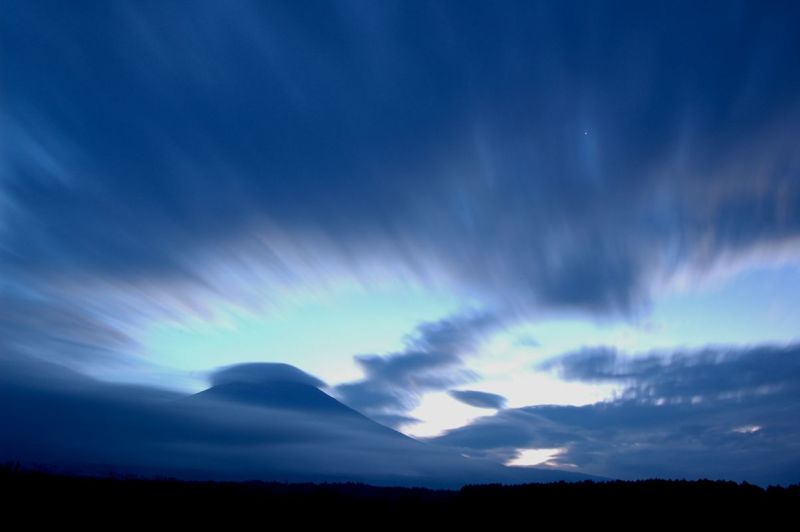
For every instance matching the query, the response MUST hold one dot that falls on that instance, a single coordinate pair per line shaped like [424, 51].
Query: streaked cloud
[580, 188]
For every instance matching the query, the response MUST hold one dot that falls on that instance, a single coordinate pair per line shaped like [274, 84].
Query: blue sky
[423, 204]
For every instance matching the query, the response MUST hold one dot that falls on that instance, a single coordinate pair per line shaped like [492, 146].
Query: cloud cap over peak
[263, 373]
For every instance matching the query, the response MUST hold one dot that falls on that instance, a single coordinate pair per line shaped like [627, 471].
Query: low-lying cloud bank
[718, 412]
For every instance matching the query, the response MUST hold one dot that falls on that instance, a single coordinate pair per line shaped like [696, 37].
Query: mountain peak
[276, 394]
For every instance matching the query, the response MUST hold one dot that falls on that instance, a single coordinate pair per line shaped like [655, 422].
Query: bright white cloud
[439, 412]
[533, 457]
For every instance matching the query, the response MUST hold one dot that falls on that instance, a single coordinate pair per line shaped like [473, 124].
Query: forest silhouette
[45, 497]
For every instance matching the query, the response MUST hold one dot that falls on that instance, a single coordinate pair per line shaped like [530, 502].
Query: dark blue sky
[432, 206]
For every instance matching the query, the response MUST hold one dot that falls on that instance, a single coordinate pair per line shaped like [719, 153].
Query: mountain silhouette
[291, 395]
[257, 422]
[288, 389]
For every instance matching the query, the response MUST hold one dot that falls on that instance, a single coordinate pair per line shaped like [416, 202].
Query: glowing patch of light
[532, 457]
[438, 413]
[747, 429]
[507, 368]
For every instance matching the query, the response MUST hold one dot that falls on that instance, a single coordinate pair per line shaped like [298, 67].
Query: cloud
[263, 373]
[433, 360]
[479, 399]
[586, 364]
[717, 412]
[709, 373]
[57, 329]
[534, 173]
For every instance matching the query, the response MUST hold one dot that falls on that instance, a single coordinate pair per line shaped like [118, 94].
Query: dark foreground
[50, 498]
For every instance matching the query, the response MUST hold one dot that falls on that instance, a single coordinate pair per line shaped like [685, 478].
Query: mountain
[304, 400]
[291, 395]
[274, 387]
[262, 422]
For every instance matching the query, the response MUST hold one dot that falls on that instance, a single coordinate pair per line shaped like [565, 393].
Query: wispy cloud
[179, 138]
[433, 360]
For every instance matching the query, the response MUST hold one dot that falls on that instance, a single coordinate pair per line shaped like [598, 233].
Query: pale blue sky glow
[344, 323]
[748, 307]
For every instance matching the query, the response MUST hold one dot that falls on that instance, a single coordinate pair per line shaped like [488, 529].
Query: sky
[562, 234]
